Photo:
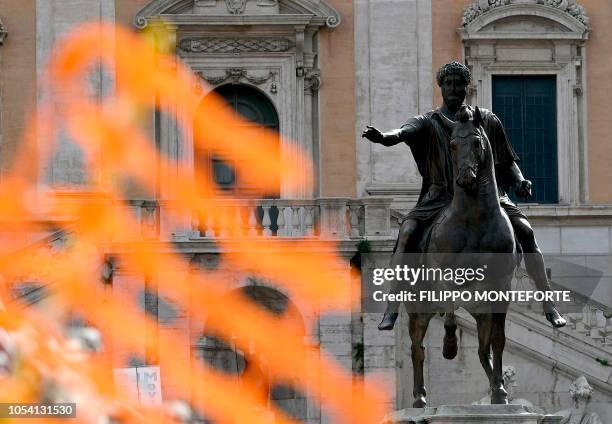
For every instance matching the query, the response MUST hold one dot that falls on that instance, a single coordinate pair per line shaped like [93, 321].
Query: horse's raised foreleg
[484, 323]
[498, 341]
[418, 328]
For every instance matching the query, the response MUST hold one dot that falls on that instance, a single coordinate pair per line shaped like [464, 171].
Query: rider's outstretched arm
[400, 135]
[408, 133]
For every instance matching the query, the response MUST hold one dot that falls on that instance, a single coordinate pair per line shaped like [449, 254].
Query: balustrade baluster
[223, 224]
[209, 226]
[607, 329]
[288, 216]
[592, 320]
[196, 225]
[295, 221]
[282, 231]
[238, 222]
[309, 220]
[266, 221]
[252, 221]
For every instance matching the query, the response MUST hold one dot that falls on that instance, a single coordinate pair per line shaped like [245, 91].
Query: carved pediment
[524, 25]
[234, 11]
[236, 7]
[524, 19]
[570, 7]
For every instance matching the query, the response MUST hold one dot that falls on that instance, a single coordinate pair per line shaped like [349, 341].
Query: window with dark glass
[526, 105]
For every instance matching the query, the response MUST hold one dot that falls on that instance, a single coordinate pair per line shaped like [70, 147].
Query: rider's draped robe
[428, 136]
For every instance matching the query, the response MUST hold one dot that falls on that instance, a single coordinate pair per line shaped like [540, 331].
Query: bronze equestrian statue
[428, 137]
[472, 230]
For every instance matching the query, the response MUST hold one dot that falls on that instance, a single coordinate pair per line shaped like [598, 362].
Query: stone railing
[594, 319]
[330, 218]
[585, 314]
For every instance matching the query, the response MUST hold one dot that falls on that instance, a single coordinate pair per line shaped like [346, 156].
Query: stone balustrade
[326, 218]
[594, 321]
[585, 314]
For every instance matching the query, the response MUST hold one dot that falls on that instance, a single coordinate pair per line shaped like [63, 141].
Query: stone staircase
[583, 347]
[587, 318]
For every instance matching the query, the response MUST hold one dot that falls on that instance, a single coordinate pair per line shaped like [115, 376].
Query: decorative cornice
[319, 12]
[479, 7]
[235, 45]
[283, 20]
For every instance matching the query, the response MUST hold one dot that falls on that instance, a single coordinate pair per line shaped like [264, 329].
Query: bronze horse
[472, 225]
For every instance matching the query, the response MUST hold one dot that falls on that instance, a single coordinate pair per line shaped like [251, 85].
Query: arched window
[224, 356]
[258, 111]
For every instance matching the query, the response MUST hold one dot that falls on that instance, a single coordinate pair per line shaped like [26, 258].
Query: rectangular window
[527, 107]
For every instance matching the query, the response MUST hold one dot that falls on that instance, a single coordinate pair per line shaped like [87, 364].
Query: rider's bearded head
[453, 79]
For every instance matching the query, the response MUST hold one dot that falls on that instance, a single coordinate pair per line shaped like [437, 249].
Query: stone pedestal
[470, 414]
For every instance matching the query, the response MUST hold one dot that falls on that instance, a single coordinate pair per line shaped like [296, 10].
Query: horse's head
[468, 147]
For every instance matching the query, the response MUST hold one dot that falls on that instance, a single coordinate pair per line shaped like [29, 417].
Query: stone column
[54, 19]
[393, 60]
[3, 34]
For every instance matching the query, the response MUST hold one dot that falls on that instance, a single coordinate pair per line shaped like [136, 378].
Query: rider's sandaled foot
[419, 401]
[388, 321]
[555, 318]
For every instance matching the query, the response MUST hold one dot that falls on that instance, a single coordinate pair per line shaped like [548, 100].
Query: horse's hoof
[449, 351]
[388, 321]
[555, 318]
[499, 397]
[419, 402]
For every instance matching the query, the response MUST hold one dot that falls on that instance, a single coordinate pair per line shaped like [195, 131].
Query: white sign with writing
[149, 386]
[144, 383]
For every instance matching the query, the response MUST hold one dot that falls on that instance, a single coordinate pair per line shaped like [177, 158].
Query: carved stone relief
[3, 33]
[479, 7]
[238, 6]
[312, 81]
[235, 7]
[236, 45]
[236, 75]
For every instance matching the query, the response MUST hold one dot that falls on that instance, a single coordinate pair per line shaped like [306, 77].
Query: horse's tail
[449, 351]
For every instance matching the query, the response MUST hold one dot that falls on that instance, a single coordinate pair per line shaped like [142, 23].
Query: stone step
[470, 414]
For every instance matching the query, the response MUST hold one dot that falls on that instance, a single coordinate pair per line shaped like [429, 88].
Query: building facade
[318, 72]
